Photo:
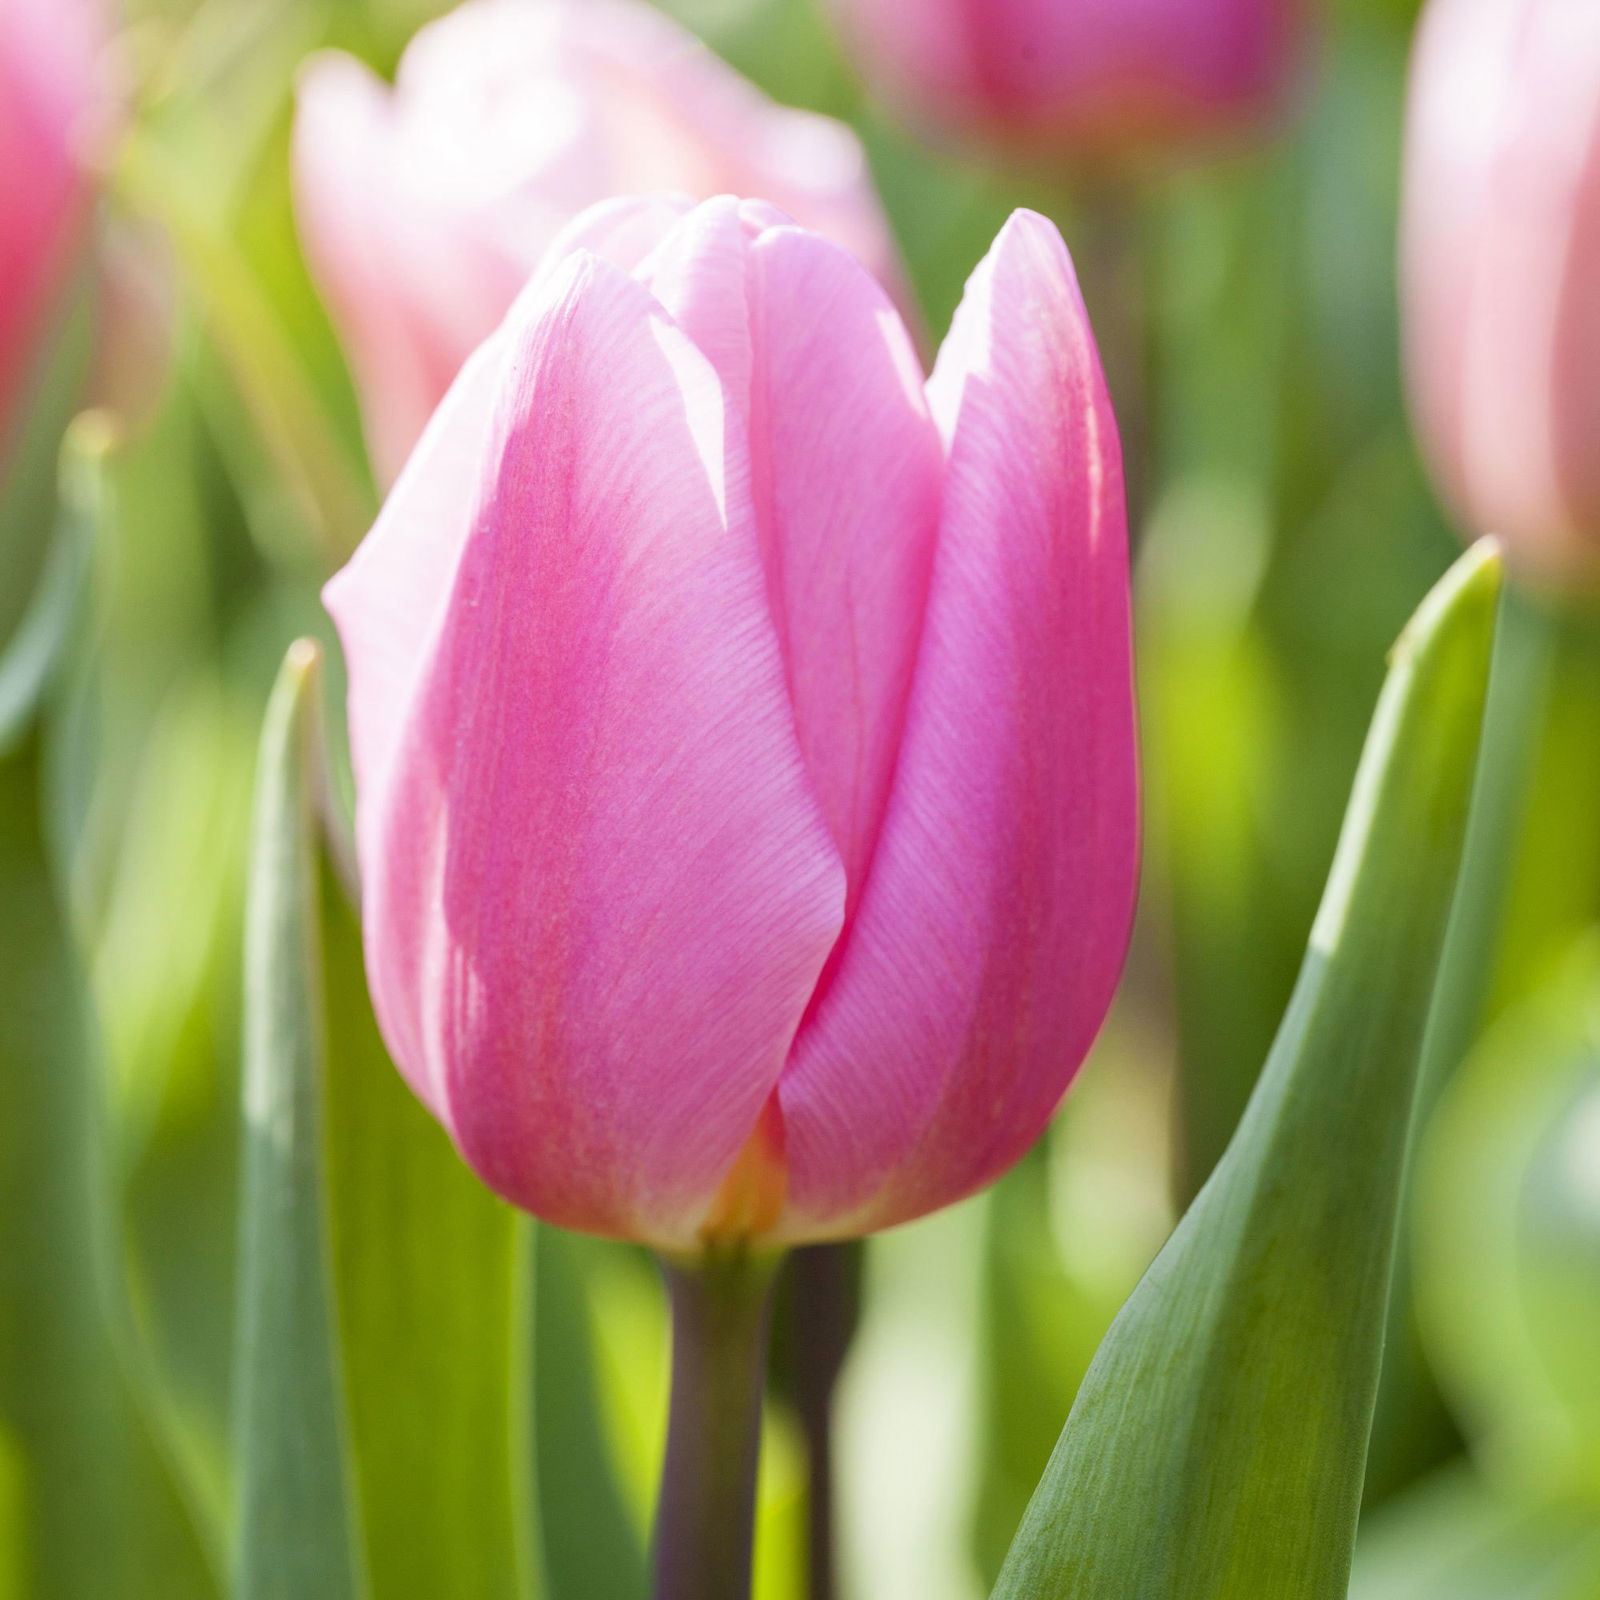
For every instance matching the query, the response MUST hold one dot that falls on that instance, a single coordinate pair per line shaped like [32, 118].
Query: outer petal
[598, 887]
[994, 923]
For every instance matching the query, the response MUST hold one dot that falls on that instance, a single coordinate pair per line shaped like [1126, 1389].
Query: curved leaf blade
[294, 1527]
[1218, 1445]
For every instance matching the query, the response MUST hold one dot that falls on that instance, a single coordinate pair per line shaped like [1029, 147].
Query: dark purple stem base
[705, 1518]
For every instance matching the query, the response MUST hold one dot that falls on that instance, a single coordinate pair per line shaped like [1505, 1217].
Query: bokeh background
[1285, 530]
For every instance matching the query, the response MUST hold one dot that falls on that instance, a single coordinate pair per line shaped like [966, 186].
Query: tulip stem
[824, 1302]
[705, 1518]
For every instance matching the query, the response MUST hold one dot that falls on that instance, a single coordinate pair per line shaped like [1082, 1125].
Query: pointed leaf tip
[1218, 1444]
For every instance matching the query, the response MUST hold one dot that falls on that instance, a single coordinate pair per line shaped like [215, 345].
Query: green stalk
[705, 1520]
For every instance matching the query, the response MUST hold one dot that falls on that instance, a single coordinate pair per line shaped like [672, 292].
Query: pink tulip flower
[50, 99]
[424, 208]
[744, 735]
[1501, 270]
[1086, 79]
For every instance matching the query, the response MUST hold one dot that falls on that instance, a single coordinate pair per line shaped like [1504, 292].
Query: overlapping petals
[996, 917]
[424, 207]
[744, 734]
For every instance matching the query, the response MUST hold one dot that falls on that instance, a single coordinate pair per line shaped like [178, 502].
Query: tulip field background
[1284, 533]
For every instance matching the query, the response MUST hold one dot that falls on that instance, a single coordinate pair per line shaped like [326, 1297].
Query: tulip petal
[606, 888]
[1106, 75]
[623, 231]
[411, 290]
[1500, 247]
[995, 919]
[846, 466]
[345, 212]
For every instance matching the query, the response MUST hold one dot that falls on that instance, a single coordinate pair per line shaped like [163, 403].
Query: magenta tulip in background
[1501, 269]
[424, 208]
[50, 101]
[1087, 79]
[744, 732]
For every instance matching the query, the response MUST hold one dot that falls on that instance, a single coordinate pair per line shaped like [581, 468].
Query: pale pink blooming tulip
[1088, 79]
[424, 208]
[50, 100]
[1501, 270]
[743, 732]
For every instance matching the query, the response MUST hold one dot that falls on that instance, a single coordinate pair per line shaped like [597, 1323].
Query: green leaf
[590, 1544]
[28, 661]
[325, 487]
[430, 1276]
[294, 1530]
[87, 1505]
[30, 443]
[1216, 1449]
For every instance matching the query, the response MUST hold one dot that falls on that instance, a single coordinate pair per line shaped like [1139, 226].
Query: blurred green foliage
[1287, 532]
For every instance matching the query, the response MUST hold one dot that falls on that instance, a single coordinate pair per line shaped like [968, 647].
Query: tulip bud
[424, 208]
[743, 733]
[50, 95]
[1500, 259]
[1086, 80]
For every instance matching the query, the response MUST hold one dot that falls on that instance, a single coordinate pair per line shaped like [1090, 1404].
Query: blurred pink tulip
[1501, 270]
[1084, 79]
[744, 733]
[50, 98]
[424, 208]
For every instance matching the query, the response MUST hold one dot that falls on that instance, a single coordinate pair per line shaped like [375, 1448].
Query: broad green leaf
[294, 1531]
[1216, 1449]
[429, 1270]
